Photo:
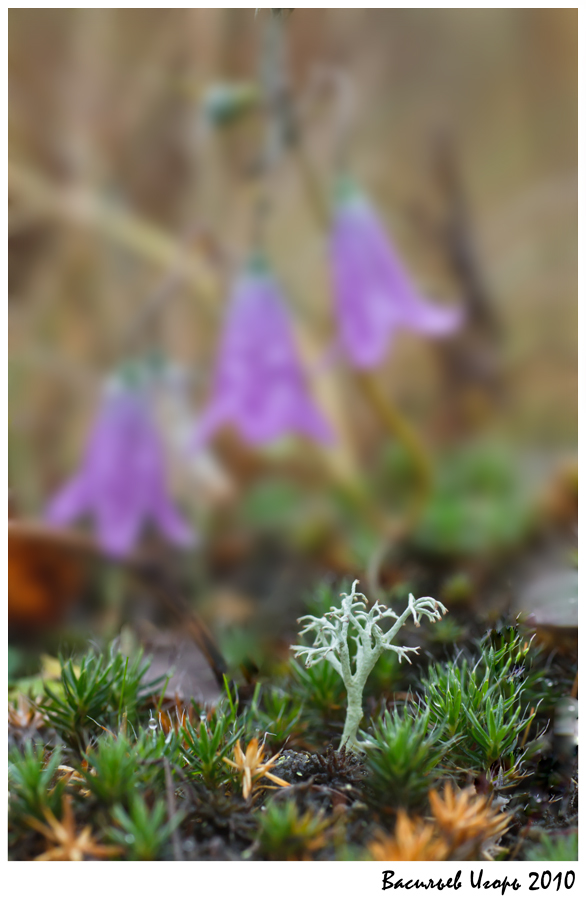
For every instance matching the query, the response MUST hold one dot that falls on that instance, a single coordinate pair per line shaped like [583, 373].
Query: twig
[399, 427]
[84, 208]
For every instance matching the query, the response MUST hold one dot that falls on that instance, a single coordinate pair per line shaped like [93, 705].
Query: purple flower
[259, 385]
[121, 482]
[374, 294]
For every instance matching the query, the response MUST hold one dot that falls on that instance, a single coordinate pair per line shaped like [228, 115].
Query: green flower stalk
[353, 622]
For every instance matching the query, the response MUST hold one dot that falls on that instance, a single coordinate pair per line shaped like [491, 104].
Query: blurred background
[134, 143]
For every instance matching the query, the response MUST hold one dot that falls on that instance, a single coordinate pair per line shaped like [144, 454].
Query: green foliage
[472, 715]
[448, 631]
[241, 647]
[457, 590]
[321, 685]
[402, 752]
[386, 675]
[497, 729]
[273, 713]
[287, 834]
[30, 777]
[321, 694]
[561, 848]
[117, 766]
[396, 473]
[546, 681]
[95, 697]
[85, 697]
[481, 704]
[154, 745]
[325, 595]
[351, 853]
[205, 744]
[128, 691]
[273, 503]
[143, 830]
[479, 505]
[115, 762]
[19, 665]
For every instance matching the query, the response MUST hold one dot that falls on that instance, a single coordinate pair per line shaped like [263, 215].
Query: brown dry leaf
[46, 572]
[559, 500]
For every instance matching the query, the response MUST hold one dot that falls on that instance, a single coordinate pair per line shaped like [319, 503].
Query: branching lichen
[353, 621]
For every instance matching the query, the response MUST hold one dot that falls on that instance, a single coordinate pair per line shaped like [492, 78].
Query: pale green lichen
[354, 621]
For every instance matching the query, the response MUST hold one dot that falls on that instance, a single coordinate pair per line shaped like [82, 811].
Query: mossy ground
[147, 773]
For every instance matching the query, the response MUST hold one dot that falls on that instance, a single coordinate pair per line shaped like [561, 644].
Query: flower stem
[397, 426]
[395, 423]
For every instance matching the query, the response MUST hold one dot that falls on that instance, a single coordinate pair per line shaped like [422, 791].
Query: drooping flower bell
[373, 292]
[121, 483]
[259, 385]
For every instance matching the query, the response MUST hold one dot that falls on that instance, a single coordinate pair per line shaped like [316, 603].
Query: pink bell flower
[121, 482]
[259, 385]
[373, 292]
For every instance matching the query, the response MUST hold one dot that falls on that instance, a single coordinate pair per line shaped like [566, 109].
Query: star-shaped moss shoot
[64, 842]
[469, 823]
[413, 841]
[252, 767]
[354, 622]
